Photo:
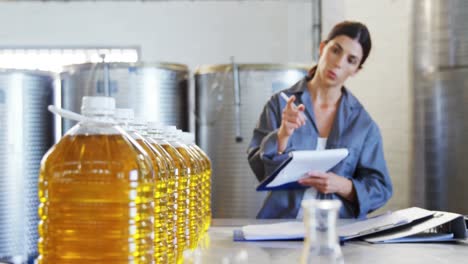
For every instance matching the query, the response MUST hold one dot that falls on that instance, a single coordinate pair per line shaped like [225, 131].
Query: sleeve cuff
[269, 152]
[269, 146]
[361, 205]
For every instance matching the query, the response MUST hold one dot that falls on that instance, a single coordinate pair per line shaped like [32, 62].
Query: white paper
[304, 161]
[438, 219]
[383, 222]
[295, 229]
[284, 230]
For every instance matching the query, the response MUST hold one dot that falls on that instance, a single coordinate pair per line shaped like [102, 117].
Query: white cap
[171, 128]
[189, 137]
[183, 137]
[170, 131]
[91, 105]
[124, 114]
[180, 135]
[155, 125]
[140, 121]
[140, 125]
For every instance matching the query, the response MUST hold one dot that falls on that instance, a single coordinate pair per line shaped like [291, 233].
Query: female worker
[322, 114]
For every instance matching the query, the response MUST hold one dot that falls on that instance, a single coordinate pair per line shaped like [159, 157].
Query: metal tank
[155, 91]
[229, 100]
[440, 105]
[26, 133]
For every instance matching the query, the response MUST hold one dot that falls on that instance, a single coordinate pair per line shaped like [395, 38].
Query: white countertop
[220, 248]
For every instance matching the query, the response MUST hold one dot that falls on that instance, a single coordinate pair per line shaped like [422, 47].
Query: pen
[286, 98]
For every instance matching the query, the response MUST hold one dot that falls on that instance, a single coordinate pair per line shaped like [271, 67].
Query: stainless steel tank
[155, 91]
[440, 100]
[26, 133]
[229, 100]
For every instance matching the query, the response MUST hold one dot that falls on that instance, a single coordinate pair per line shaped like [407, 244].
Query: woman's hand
[329, 182]
[292, 118]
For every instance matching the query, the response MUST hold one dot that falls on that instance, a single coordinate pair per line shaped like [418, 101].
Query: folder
[441, 227]
[238, 235]
[403, 226]
[286, 231]
[290, 230]
[384, 222]
[298, 164]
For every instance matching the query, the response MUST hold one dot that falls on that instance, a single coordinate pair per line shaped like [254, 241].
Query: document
[391, 222]
[383, 222]
[290, 230]
[443, 226]
[298, 164]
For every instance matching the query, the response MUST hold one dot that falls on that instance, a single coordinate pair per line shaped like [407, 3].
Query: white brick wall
[383, 86]
[188, 32]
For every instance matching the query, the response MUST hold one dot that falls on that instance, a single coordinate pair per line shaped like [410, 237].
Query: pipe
[237, 99]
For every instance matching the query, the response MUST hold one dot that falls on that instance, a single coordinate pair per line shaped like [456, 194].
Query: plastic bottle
[186, 138]
[125, 118]
[206, 181]
[156, 132]
[96, 194]
[173, 174]
[196, 166]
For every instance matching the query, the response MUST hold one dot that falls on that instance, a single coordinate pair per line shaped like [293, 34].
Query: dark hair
[356, 31]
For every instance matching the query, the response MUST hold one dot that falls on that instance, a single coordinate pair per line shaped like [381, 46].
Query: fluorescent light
[54, 59]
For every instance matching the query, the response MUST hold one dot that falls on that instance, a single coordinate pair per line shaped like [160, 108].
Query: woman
[322, 114]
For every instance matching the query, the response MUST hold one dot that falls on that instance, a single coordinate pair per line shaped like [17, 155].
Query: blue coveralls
[353, 129]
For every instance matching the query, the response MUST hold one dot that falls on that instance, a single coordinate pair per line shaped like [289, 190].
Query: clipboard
[298, 164]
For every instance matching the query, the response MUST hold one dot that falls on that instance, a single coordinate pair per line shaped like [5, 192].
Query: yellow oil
[182, 198]
[96, 196]
[171, 202]
[199, 188]
[161, 171]
[206, 187]
[194, 211]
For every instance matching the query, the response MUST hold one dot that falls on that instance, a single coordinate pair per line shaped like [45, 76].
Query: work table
[222, 249]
